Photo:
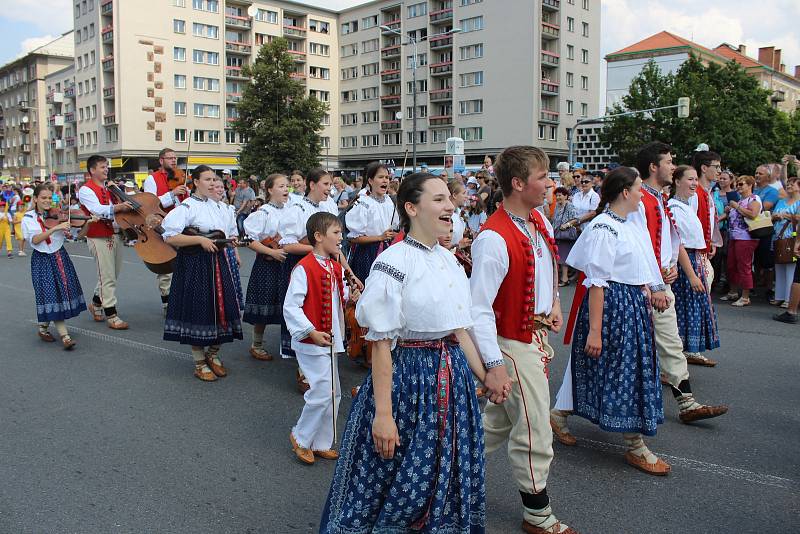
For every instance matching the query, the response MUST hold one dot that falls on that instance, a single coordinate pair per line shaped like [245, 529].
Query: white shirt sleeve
[149, 186]
[296, 321]
[175, 221]
[357, 219]
[89, 200]
[489, 269]
[292, 227]
[30, 229]
[254, 225]
[380, 306]
[593, 253]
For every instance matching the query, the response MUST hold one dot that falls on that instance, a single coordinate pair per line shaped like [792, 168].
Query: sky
[26, 24]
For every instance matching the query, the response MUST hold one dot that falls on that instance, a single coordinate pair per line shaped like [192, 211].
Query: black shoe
[786, 317]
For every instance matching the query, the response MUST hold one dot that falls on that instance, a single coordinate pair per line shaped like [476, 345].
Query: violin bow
[402, 172]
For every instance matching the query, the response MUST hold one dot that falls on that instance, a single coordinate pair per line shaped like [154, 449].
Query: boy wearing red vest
[104, 243]
[158, 184]
[515, 301]
[314, 314]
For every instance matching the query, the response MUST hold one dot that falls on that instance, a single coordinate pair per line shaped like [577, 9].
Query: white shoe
[785, 305]
[21, 253]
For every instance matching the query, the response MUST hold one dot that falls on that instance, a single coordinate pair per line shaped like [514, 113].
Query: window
[422, 86]
[586, 4]
[317, 49]
[206, 5]
[349, 119]
[554, 133]
[369, 93]
[179, 3]
[180, 135]
[585, 29]
[370, 140]
[370, 69]
[584, 109]
[350, 50]
[584, 56]
[230, 136]
[541, 131]
[265, 15]
[471, 134]
[369, 116]
[350, 96]
[178, 53]
[472, 24]
[204, 56]
[318, 26]
[180, 108]
[570, 24]
[471, 79]
[585, 83]
[178, 26]
[417, 10]
[422, 137]
[350, 73]
[369, 46]
[440, 136]
[319, 73]
[206, 136]
[418, 35]
[91, 30]
[471, 51]
[206, 110]
[369, 22]
[470, 107]
[322, 96]
[422, 60]
[570, 111]
[180, 81]
[392, 138]
[205, 84]
[348, 142]
[91, 56]
[326, 120]
[570, 79]
[205, 30]
[570, 52]
[350, 27]
[421, 110]
[470, 2]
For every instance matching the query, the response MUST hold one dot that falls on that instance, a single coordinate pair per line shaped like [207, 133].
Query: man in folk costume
[158, 184]
[103, 240]
[515, 305]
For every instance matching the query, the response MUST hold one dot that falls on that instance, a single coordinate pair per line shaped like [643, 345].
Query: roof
[662, 41]
[743, 60]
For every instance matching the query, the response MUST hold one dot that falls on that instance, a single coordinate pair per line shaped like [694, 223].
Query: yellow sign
[213, 160]
[115, 163]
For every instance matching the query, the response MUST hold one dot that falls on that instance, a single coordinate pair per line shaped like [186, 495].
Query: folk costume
[8, 209]
[315, 300]
[416, 296]
[233, 259]
[369, 216]
[514, 289]
[56, 286]
[697, 318]
[706, 211]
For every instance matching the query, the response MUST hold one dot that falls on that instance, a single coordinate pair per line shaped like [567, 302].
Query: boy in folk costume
[314, 313]
[515, 305]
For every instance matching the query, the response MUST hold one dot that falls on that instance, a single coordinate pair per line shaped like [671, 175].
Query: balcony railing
[390, 76]
[443, 15]
[108, 63]
[58, 144]
[109, 92]
[69, 92]
[110, 118]
[550, 58]
[390, 125]
[390, 100]
[549, 88]
[439, 95]
[294, 31]
[70, 141]
[107, 7]
[233, 98]
[238, 22]
[390, 51]
[548, 116]
[393, 24]
[444, 41]
[550, 31]
[56, 120]
[26, 147]
[54, 97]
[299, 76]
[440, 120]
[297, 55]
[24, 127]
[439, 69]
[69, 116]
[552, 5]
[238, 47]
[234, 72]
[108, 34]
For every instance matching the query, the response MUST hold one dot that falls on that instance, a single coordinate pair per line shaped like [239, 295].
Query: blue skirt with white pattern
[196, 315]
[697, 318]
[362, 257]
[56, 286]
[372, 495]
[233, 265]
[620, 390]
[286, 273]
[264, 304]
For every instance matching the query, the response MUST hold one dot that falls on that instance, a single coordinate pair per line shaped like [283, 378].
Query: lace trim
[389, 270]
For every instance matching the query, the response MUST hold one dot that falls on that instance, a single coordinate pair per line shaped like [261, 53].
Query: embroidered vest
[103, 228]
[703, 211]
[318, 305]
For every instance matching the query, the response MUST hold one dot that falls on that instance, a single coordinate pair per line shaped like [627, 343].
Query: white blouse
[207, 215]
[263, 222]
[292, 226]
[371, 217]
[585, 203]
[611, 250]
[31, 228]
[459, 227]
[414, 292]
[689, 226]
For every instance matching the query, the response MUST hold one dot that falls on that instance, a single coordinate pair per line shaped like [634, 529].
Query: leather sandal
[660, 468]
[306, 456]
[554, 529]
[563, 436]
[44, 335]
[203, 372]
[216, 368]
[260, 354]
[97, 314]
[703, 412]
[115, 323]
[302, 385]
[696, 359]
[329, 454]
[68, 342]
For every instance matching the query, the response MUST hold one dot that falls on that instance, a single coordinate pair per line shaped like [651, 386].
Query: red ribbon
[580, 291]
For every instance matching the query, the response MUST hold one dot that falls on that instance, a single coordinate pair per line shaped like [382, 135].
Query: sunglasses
[741, 184]
[586, 181]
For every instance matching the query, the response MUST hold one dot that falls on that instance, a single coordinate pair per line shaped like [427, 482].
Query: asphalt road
[118, 436]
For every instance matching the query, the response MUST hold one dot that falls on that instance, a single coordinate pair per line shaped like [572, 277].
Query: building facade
[62, 145]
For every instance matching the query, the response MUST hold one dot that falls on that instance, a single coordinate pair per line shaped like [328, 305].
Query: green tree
[729, 112]
[279, 123]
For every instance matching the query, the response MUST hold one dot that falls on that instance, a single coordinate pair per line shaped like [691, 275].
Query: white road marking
[92, 258]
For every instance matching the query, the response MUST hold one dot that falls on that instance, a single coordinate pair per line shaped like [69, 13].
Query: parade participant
[7, 211]
[263, 304]
[708, 167]
[297, 186]
[613, 353]
[158, 184]
[202, 309]
[314, 312]
[55, 283]
[371, 221]
[515, 296]
[24, 204]
[231, 253]
[697, 318]
[458, 196]
[103, 240]
[415, 422]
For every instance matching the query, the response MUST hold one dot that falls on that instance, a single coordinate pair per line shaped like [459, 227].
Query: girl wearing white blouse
[415, 422]
[55, 283]
[264, 304]
[614, 370]
[202, 309]
[371, 221]
[231, 253]
[697, 319]
[458, 196]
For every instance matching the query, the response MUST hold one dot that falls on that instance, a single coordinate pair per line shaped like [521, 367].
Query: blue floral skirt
[435, 482]
[56, 286]
[202, 309]
[230, 254]
[286, 272]
[264, 304]
[362, 257]
[620, 390]
[697, 318]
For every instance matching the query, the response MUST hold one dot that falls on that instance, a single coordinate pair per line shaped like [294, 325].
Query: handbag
[784, 247]
[570, 234]
[760, 226]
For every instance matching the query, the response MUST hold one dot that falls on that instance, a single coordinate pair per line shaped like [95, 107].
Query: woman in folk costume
[202, 309]
[412, 455]
[371, 221]
[458, 196]
[231, 253]
[614, 369]
[697, 319]
[264, 302]
[55, 283]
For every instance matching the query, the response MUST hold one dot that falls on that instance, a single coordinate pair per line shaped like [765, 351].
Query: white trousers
[668, 343]
[314, 429]
[564, 396]
[107, 252]
[784, 274]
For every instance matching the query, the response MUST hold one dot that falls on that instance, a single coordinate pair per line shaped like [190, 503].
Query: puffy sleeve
[175, 221]
[230, 219]
[292, 227]
[30, 228]
[357, 219]
[379, 309]
[593, 253]
[254, 225]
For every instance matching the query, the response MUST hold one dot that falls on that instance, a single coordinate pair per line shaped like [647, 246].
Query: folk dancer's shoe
[97, 313]
[694, 358]
[329, 454]
[558, 423]
[702, 412]
[659, 468]
[260, 354]
[115, 323]
[203, 372]
[302, 382]
[306, 456]
[68, 342]
[45, 335]
[215, 364]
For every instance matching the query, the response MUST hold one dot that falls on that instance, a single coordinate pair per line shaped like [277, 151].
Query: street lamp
[413, 42]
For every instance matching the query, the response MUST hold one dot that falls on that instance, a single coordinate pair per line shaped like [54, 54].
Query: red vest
[102, 228]
[514, 306]
[654, 222]
[318, 305]
[162, 186]
[703, 213]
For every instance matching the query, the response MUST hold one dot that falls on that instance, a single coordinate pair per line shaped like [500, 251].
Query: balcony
[69, 92]
[778, 96]
[108, 63]
[390, 52]
[236, 21]
[393, 24]
[551, 5]
[550, 31]
[298, 76]
[442, 16]
[443, 41]
[297, 32]
[548, 116]
[390, 76]
[108, 34]
[440, 95]
[234, 72]
[238, 47]
[26, 148]
[390, 125]
[110, 118]
[109, 92]
[58, 144]
[390, 101]
[233, 98]
[440, 120]
[24, 127]
[23, 105]
[56, 120]
[55, 98]
[69, 116]
[549, 59]
[297, 55]
[70, 142]
[549, 88]
[441, 69]
[107, 8]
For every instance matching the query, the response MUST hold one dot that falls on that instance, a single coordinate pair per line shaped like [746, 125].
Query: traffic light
[683, 107]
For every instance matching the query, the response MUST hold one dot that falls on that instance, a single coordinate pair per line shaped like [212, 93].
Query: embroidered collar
[652, 190]
[323, 259]
[417, 244]
[378, 200]
[521, 223]
[684, 200]
[608, 211]
[315, 204]
[274, 205]
[199, 198]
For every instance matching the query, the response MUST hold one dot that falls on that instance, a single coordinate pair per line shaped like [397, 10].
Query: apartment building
[62, 145]
[24, 117]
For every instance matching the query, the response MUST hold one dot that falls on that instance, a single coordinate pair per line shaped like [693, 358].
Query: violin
[55, 216]
[175, 177]
[358, 348]
[218, 237]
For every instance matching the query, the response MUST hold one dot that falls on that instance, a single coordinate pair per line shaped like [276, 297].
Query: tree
[729, 112]
[279, 122]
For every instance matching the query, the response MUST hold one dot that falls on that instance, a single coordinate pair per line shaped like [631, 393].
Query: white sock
[687, 402]
[258, 338]
[636, 446]
[61, 328]
[198, 354]
[543, 518]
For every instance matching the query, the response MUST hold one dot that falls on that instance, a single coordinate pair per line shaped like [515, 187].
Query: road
[118, 436]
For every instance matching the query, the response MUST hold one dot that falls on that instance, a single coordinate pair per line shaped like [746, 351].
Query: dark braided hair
[615, 183]
[410, 191]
